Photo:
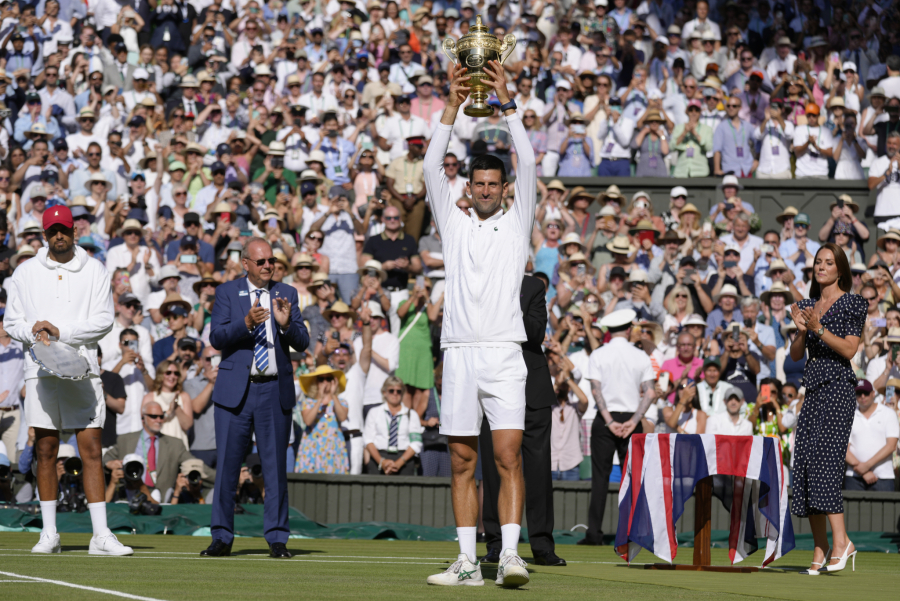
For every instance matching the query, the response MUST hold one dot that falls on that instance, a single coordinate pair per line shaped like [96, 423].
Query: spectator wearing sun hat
[692, 141]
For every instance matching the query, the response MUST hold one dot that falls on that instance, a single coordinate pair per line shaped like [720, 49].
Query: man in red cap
[64, 295]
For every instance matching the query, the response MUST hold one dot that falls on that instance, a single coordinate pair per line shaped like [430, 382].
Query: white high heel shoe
[818, 563]
[842, 563]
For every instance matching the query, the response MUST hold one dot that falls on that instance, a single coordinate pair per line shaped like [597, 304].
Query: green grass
[170, 568]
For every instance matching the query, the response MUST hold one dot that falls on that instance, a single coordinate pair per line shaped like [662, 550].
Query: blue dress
[823, 431]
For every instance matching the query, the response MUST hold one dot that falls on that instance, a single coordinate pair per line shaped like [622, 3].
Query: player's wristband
[509, 105]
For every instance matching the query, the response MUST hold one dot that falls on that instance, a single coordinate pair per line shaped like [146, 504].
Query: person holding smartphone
[577, 149]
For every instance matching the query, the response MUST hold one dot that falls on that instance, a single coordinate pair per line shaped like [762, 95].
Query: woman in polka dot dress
[829, 323]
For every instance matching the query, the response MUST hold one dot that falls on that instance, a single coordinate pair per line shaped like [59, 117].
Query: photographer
[137, 378]
[126, 481]
[251, 484]
[741, 366]
[189, 484]
[69, 471]
[373, 219]
[6, 494]
[847, 148]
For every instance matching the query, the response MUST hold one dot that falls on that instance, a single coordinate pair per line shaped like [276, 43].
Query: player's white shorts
[481, 381]
[55, 404]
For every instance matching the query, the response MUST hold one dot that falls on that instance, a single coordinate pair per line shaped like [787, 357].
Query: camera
[134, 471]
[194, 478]
[71, 489]
[5, 473]
[140, 505]
[748, 323]
[735, 332]
[256, 470]
[277, 162]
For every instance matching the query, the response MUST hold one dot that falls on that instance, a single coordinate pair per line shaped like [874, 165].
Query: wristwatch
[820, 331]
[509, 105]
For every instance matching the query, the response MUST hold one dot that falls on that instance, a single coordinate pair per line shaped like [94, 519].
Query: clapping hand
[256, 316]
[281, 308]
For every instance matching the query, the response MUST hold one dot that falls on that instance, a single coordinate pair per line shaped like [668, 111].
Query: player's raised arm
[526, 168]
[437, 192]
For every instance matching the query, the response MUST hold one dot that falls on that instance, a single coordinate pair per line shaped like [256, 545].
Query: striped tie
[393, 431]
[261, 350]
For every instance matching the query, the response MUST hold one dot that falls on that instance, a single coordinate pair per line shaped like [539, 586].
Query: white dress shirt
[264, 301]
[616, 139]
[721, 423]
[130, 420]
[868, 436]
[775, 143]
[400, 74]
[712, 401]
[409, 429]
[620, 368]
[811, 162]
[396, 129]
[112, 354]
[120, 256]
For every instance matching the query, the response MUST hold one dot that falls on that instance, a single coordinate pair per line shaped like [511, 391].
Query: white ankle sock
[48, 517]
[467, 537]
[509, 533]
[98, 518]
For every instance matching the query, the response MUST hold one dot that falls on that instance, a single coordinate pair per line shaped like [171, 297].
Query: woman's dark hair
[488, 162]
[845, 278]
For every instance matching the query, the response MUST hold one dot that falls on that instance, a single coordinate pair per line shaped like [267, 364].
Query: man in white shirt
[525, 100]
[139, 260]
[78, 143]
[136, 375]
[570, 52]
[884, 175]
[873, 439]
[402, 71]
[128, 307]
[743, 240]
[622, 383]
[616, 132]
[52, 94]
[711, 391]
[891, 84]
[402, 124]
[316, 101]
[385, 358]
[808, 142]
[702, 23]
[775, 135]
[484, 370]
[783, 63]
[730, 422]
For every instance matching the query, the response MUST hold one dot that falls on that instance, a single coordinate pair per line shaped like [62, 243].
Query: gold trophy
[473, 51]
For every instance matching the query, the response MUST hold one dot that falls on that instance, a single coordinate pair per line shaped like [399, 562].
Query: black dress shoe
[279, 550]
[548, 558]
[217, 549]
[589, 541]
[480, 537]
[492, 556]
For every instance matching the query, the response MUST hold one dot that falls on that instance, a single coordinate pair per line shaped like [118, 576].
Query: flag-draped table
[661, 473]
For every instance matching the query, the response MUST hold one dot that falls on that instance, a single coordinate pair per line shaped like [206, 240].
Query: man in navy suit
[254, 323]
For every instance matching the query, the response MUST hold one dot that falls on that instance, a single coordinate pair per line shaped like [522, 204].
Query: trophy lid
[478, 27]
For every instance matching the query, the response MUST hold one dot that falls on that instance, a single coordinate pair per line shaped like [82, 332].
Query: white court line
[209, 559]
[79, 586]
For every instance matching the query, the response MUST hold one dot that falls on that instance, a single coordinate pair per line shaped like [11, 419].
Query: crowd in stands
[176, 131]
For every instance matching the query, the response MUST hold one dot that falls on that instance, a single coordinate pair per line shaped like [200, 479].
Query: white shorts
[55, 404]
[482, 381]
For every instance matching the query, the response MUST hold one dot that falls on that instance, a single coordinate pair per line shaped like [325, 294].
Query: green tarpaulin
[195, 520]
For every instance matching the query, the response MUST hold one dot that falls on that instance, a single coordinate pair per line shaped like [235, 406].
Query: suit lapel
[274, 293]
[244, 296]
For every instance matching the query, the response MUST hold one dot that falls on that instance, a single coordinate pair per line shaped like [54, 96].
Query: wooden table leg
[702, 522]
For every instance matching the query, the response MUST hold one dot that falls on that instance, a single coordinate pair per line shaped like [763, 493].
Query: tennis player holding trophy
[59, 305]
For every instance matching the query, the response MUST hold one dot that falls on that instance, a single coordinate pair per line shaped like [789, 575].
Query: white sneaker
[462, 573]
[511, 573]
[108, 545]
[49, 543]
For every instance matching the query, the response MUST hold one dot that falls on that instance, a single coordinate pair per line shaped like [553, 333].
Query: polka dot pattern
[823, 431]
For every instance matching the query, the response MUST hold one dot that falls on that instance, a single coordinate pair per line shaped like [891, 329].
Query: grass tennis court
[168, 568]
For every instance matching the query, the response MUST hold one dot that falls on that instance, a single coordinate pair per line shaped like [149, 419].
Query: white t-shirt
[397, 129]
[868, 436]
[888, 200]
[812, 162]
[849, 165]
[620, 368]
[353, 394]
[721, 423]
[386, 345]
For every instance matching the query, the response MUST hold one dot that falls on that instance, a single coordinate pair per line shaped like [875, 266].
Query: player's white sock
[467, 537]
[98, 518]
[509, 533]
[48, 517]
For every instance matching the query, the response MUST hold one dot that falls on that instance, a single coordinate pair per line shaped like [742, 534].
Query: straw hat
[848, 201]
[572, 238]
[778, 287]
[579, 192]
[150, 156]
[339, 307]
[728, 290]
[37, 130]
[98, 177]
[655, 329]
[304, 260]
[670, 236]
[207, 280]
[620, 245]
[787, 328]
[787, 212]
[690, 208]
[556, 185]
[26, 252]
[577, 257]
[653, 115]
[644, 225]
[318, 279]
[372, 264]
[280, 257]
[272, 214]
[612, 193]
[777, 264]
[694, 319]
[892, 234]
[223, 207]
[306, 380]
[174, 299]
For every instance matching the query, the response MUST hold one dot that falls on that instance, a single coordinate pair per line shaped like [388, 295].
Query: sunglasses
[392, 218]
[154, 416]
[394, 391]
[173, 373]
[261, 262]
[337, 315]
[135, 306]
[453, 164]
[681, 296]
[316, 238]
[180, 194]
[94, 154]
[325, 379]
[734, 106]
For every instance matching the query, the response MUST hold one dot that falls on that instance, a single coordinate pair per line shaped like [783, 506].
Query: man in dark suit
[255, 322]
[535, 442]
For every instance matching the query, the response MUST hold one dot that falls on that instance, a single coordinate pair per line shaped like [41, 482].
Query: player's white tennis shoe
[461, 573]
[108, 544]
[511, 573]
[47, 544]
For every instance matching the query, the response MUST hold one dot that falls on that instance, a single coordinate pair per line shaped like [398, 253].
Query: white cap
[601, 3]
[678, 191]
[133, 457]
[375, 308]
[728, 290]
[655, 94]
[562, 83]
[618, 319]
[168, 271]
[848, 66]
[662, 40]
[65, 451]
[140, 73]
[638, 275]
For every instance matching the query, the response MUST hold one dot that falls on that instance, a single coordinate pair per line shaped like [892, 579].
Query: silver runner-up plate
[61, 360]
